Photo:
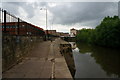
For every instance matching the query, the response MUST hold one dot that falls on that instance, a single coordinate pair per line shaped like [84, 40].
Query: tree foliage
[106, 34]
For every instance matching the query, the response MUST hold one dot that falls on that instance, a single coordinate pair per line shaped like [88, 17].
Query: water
[96, 62]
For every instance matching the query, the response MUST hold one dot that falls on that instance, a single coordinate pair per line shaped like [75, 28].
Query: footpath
[44, 61]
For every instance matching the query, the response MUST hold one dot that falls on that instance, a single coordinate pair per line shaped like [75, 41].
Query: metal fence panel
[12, 25]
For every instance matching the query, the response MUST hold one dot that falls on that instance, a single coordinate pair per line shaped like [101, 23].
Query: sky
[62, 16]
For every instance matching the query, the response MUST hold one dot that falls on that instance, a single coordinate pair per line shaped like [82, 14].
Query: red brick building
[22, 28]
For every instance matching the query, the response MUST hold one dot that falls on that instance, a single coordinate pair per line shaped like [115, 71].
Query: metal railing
[12, 25]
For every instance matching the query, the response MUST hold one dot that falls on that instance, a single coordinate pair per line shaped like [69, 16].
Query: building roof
[72, 29]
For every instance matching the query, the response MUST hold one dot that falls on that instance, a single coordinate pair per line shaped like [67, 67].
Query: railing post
[18, 26]
[4, 21]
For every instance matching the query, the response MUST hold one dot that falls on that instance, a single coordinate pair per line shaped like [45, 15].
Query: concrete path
[44, 61]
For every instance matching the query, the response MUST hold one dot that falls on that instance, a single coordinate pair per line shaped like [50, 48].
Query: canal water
[95, 62]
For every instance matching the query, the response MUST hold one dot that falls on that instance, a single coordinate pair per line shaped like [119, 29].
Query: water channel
[95, 62]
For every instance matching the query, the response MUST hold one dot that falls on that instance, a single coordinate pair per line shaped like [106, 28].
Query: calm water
[96, 62]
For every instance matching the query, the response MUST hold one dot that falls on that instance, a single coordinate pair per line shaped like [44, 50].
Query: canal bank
[44, 61]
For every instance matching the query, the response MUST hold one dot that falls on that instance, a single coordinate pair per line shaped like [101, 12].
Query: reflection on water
[73, 44]
[96, 62]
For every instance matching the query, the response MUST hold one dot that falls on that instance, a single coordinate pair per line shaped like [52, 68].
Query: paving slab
[44, 61]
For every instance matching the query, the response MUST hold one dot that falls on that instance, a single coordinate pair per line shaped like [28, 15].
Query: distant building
[62, 34]
[73, 32]
[53, 32]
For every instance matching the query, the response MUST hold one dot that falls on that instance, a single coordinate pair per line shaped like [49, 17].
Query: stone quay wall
[14, 48]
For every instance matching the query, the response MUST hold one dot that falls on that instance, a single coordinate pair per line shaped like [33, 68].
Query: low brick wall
[14, 48]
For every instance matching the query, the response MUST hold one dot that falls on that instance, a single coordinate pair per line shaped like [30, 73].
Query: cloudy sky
[62, 16]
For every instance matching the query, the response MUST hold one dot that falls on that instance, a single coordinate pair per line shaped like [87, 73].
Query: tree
[105, 34]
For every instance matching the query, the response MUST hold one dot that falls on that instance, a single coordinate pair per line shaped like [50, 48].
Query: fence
[19, 37]
[12, 25]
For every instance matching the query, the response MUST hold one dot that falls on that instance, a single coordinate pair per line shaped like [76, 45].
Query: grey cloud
[83, 12]
[43, 4]
[29, 10]
[13, 8]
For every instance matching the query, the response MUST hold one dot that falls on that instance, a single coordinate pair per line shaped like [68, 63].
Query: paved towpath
[44, 61]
